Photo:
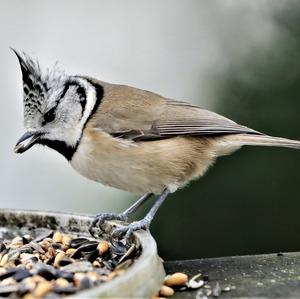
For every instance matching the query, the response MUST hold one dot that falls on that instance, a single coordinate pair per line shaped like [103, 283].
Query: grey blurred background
[240, 58]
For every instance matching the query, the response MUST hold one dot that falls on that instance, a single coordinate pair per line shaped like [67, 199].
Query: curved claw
[130, 228]
[101, 218]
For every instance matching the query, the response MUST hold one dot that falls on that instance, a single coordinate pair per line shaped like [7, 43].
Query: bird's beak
[26, 141]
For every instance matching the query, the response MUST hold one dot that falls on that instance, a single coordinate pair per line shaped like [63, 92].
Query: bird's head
[56, 107]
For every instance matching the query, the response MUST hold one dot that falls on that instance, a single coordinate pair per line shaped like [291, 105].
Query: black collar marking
[99, 96]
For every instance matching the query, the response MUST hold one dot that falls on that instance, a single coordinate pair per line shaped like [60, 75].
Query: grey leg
[137, 204]
[101, 218]
[146, 221]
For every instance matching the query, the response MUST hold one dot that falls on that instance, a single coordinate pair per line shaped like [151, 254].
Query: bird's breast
[140, 167]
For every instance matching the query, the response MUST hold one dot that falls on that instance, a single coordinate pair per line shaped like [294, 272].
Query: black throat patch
[60, 146]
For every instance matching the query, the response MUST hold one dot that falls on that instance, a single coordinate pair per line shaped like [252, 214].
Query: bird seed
[39, 263]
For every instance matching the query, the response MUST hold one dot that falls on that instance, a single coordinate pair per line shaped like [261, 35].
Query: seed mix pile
[45, 263]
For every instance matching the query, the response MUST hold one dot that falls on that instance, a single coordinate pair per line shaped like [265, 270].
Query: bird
[127, 138]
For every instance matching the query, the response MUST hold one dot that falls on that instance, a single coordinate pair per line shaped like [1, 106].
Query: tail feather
[261, 140]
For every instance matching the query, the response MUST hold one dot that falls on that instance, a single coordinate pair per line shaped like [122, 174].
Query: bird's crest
[36, 86]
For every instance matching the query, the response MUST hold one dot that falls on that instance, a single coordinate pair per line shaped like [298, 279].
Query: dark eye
[49, 116]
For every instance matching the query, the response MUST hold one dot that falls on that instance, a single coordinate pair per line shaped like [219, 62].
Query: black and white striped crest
[34, 88]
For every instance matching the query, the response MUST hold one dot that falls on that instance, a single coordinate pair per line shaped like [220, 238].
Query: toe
[101, 218]
[129, 229]
[119, 232]
[128, 234]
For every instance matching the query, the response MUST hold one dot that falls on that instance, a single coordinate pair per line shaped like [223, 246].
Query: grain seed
[176, 279]
[42, 289]
[58, 258]
[102, 247]
[4, 260]
[57, 237]
[66, 239]
[70, 251]
[166, 291]
[61, 282]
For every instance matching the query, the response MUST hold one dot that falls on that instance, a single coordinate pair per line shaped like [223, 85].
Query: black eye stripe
[64, 91]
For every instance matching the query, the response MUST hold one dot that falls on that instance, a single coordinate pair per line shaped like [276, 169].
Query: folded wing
[143, 115]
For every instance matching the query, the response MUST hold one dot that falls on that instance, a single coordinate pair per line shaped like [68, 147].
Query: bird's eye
[49, 116]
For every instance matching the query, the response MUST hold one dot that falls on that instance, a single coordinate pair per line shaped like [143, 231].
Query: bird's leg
[146, 221]
[101, 218]
[137, 204]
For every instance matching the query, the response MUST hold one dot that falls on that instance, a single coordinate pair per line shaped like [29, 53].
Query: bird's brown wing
[136, 114]
[181, 118]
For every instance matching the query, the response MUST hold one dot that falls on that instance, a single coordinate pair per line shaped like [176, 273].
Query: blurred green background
[238, 58]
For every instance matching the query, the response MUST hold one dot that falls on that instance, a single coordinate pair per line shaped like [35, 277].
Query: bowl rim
[147, 264]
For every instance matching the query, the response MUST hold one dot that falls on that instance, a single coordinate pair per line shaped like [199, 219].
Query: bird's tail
[260, 140]
[230, 143]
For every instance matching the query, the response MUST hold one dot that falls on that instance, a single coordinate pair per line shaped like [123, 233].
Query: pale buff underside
[149, 166]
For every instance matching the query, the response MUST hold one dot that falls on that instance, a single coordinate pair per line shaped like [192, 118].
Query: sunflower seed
[65, 290]
[21, 274]
[194, 283]
[42, 233]
[8, 273]
[82, 266]
[86, 283]
[88, 246]
[75, 243]
[8, 289]
[2, 247]
[128, 253]
[46, 271]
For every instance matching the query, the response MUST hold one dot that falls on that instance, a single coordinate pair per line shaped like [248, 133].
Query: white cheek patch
[69, 133]
[69, 136]
[75, 133]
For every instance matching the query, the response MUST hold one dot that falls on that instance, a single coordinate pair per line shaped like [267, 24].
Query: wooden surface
[258, 276]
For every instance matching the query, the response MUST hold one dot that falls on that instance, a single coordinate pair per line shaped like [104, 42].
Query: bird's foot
[130, 228]
[101, 218]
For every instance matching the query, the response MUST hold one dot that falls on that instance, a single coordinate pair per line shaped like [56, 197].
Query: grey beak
[26, 141]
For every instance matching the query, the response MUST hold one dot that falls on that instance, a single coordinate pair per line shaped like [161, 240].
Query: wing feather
[181, 118]
[130, 113]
